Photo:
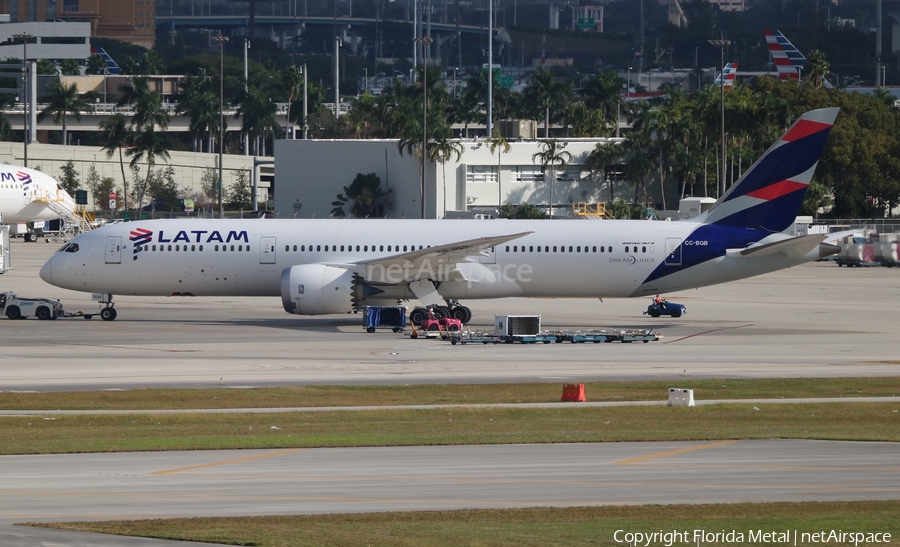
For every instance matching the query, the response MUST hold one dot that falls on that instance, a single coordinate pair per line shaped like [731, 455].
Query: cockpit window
[63, 248]
[72, 248]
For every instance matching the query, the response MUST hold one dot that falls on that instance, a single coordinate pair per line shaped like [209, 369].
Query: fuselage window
[389, 247]
[578, 248]
[595, 248]
[626, 248]
[287, 248]
[365, 248]
[318, 247]
[154, 247]
[240, 247]
[170, 247]
[216, 248]
[201, 248]
[381, 247]
[610, 248]
[295, 248]
[232, 248]
[554, 248]
[342, 248]
[515, 248]
[538, 248]
[303, 247]
[643, 249]
[562, 249]
[507, 248]
[603, 248]
[357, 248]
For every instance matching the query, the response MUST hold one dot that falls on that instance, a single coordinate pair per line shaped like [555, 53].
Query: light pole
[305, 125]
[337, 77]
[490, 73]
[220, 39]
[25, 36]
[721, 43]
[246, 136]
[425, 41]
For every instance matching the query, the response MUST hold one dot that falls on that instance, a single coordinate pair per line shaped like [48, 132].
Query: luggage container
[384, 317]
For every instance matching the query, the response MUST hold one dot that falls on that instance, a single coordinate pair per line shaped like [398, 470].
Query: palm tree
[544, 92]
[63, 99]
[149, 143]
[552, 157]
[816, 69]
[603, 91]
[440, 150]
[495, 142]
[258, 114]
[602, 155]
[115, 135]
[202, 107]
[292, 81]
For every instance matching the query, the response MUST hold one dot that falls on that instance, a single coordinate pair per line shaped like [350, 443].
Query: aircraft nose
[46, 274]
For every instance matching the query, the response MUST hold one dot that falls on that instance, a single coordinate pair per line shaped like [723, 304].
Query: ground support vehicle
[605, 336]
[384, 317]
[15, 307]
[479, 337]
[665, 308]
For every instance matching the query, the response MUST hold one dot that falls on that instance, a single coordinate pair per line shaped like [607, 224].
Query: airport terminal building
[311, 173]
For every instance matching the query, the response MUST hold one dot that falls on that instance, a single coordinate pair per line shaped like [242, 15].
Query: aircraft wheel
[30, 238]
[463, 313]
[442, 312]
[13, 312]
[417, 316]
[108, 314]
[43, 313]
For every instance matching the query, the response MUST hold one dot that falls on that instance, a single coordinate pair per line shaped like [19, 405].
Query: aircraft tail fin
[727, 75]
[787, 58]
[768, 196]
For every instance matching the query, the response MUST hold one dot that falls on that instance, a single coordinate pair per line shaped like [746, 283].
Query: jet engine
[317, 289]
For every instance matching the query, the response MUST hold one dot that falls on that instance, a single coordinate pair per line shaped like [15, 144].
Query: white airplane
[336, 266]
[28, 196]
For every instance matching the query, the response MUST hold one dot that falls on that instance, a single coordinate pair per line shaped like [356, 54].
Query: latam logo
[141, 237]
[20, 176]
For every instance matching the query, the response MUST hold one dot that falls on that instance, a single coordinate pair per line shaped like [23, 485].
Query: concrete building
[189, 167]
[312, 173]
[50, 41]
[127, 20]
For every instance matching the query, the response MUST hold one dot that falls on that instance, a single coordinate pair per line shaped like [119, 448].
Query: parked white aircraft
[335, 266]
[29, 196]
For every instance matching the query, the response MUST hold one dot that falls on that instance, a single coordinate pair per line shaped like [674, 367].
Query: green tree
[201, 105]
[209, 185]
[816, 69]
[601, 156]
[440, 150]
[292, 81]
[150, 144]
[115, 136]
[99, 187]
[95, 64]
[363, 198]
[163, 189]
[69, 179]
[62, 100]
[70, 67]
[258, 118]
[240, 194]
[548, 95]
[552, 157]
[45, 67]
[524, 211]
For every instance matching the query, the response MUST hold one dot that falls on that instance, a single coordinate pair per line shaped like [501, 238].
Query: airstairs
[75, 217]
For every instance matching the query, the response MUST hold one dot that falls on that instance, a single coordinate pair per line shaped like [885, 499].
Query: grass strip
[536, 527]
[458, 426]
[176, 399]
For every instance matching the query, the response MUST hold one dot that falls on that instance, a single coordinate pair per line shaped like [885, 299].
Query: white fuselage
[27, 195]
[565, 258]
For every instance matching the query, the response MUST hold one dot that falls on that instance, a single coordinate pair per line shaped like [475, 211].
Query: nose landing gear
[108, 313]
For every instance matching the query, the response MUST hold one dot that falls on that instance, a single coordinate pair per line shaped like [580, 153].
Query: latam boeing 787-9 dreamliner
[336, 266]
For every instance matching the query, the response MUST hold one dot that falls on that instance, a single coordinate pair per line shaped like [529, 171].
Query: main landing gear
[454, 311]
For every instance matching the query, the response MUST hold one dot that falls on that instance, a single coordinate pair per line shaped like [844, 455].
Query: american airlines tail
[787, 58]
[727, 75]
[324, 266]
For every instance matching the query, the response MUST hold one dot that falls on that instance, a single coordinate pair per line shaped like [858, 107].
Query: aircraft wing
[795, 245]
[435, 263]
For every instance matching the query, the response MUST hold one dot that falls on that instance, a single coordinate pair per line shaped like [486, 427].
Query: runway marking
[641, 459]
[226, 462]
[706, 332]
